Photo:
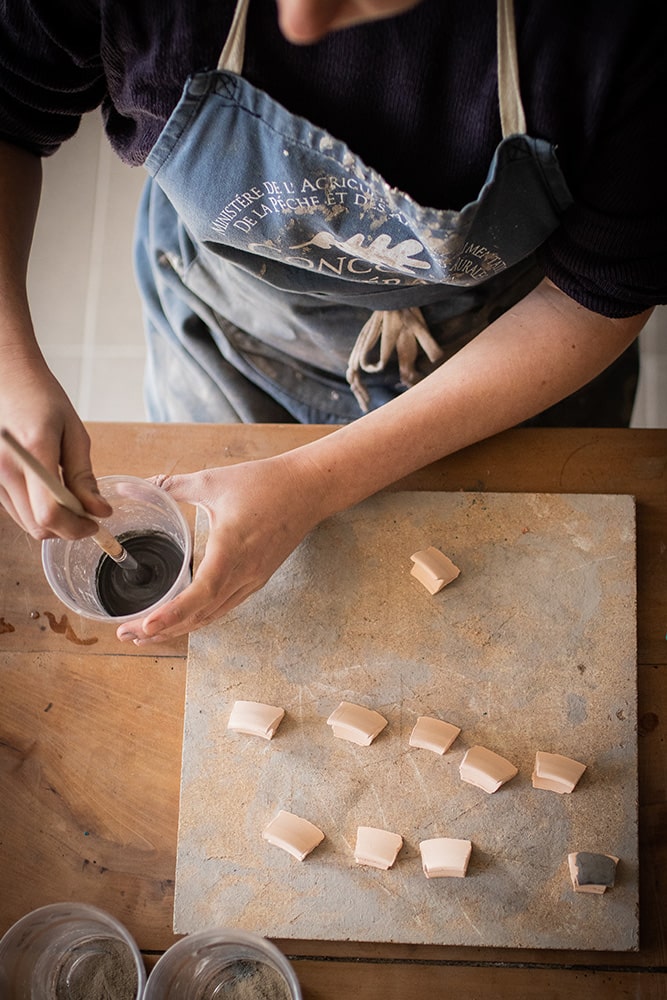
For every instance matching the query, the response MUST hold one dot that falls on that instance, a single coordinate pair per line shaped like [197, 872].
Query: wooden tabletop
[90, 729]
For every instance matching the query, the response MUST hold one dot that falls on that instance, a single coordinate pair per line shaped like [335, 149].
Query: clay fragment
[445, 857]
[485, 769]
[255, 719]
[377, 848]
[433, 569]
[556, 773]
[355, 723]
[293, 834]
[433, 734]
[592, 872]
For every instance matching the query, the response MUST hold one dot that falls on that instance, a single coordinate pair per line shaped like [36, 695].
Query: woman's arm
[540, 351]
[32, 403]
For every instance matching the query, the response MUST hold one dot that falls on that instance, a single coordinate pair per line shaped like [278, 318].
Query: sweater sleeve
[610, 251]
[50, 72]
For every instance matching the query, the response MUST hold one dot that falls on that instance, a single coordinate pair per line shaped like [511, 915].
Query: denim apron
[283, 279]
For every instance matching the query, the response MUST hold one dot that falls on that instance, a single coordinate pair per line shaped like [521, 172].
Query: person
[422, 222]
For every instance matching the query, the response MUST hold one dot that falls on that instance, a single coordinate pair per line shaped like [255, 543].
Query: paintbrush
[102, 537]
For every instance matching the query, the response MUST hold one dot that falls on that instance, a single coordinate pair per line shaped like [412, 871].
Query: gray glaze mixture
[123, 591]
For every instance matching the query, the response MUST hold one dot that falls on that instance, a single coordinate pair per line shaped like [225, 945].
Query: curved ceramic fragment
[445, 857]
[486, 769]
[433, 568]
[355, 723]
[592, 872]
[293, 834]
[556, 773]
[433, 734]
[255, 719]
[377, 848]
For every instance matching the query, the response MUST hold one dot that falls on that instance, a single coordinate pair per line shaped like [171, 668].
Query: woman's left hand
[258, 513]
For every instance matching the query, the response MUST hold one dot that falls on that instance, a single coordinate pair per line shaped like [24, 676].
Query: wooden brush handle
[109, 543]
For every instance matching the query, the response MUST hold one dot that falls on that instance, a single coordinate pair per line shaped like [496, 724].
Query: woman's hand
[258, 513]
[307, 21]
[36, 409]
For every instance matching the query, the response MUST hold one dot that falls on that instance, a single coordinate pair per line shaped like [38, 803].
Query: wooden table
[90, 729]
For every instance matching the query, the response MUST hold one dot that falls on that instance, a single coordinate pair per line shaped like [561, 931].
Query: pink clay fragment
[377, 848]
[355, 723]
[433, 734]
[293, 834]
[591, 872]
[556, 773]
[445, 857]
[255, 719]
[433, 569]
[485, 769]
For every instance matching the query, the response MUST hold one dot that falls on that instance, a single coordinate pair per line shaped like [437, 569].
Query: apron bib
[297, 258]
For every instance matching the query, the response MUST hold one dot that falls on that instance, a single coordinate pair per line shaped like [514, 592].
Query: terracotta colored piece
[486, 769]
[293, 834]
[255, 719]
[433, 734]
[355, 723]
[376, 848]
[445, 857]
[556, 773]
[592, 872]
[433, 568]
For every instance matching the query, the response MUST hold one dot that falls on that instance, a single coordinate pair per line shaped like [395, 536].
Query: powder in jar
[97, 969]
[245, 980]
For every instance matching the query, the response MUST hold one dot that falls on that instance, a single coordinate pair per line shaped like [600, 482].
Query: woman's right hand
[37, 411]
[33, 405]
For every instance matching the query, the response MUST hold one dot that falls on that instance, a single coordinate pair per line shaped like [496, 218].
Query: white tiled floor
[86, 307]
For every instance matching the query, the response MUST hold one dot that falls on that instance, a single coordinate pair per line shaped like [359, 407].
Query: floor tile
[117, 316]
[115, 388]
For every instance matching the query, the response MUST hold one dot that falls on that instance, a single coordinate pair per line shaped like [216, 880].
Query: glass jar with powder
[70, 951]
[223, 964]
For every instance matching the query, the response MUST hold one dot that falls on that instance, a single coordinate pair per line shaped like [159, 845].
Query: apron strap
[231, 57]
[401, 330]
[512, 117]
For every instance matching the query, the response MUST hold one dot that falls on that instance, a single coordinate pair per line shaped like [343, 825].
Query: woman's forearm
[258, 512]
[32, 403]
[20, 188]
[534, 355]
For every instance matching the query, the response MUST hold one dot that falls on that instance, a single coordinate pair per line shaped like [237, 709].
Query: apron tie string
[400, 330]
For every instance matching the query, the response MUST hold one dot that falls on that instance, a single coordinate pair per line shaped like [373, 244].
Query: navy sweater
[415, 96]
